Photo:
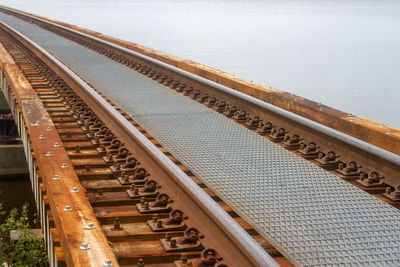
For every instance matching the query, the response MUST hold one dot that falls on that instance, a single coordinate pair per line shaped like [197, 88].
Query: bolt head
[84, 246]
[41, 136]
[56, 144]
[48, 154]
[56, 177]
[64, 165]
[90, 226]
[67, 208]
[74, 190]
[108, 262]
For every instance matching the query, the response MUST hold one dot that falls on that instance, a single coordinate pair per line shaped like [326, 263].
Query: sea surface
[342, 53]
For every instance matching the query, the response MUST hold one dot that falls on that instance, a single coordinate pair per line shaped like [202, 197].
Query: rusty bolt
[363, 176]
[150, 186]
[190, 236]
[125, 178]
[212, 101]
[181, 88]
[154, 217]
[175, 84]
[173, 243]
[117, 166]
[175, 217]
[117, 224]
[184, 258]
[341, 166]
[100, 193]
[162, 200]
[209, 257]
[373, 177]
[188, 91]
[140, 263]
[130, 163]
[167, 237]
[140, 174]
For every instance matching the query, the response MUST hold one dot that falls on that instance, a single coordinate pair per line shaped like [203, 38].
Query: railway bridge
[139, 158]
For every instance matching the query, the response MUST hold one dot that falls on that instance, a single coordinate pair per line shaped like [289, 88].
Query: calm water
[345, 54]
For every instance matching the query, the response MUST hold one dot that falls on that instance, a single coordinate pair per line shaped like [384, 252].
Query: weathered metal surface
[53, 161]
[217, 155]
[362, 128]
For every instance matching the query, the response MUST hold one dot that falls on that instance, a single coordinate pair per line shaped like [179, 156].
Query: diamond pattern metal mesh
[314, 217]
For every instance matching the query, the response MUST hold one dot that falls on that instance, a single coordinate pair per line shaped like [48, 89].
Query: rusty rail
[205, 213]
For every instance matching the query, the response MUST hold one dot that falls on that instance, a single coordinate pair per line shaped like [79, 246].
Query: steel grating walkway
[316, 218]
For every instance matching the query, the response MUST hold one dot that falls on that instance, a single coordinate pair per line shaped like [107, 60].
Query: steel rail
[350, 148]
[198, 204]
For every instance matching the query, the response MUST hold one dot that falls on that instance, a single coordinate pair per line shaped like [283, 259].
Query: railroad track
[106, 159]
[124, 209]
[350, 158]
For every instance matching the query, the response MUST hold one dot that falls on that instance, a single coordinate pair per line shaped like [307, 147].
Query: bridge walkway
[307, 212]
